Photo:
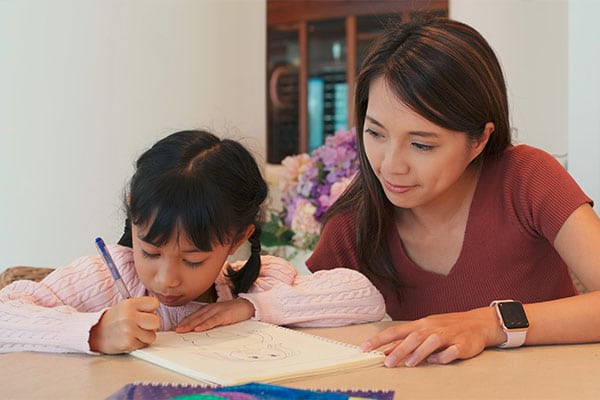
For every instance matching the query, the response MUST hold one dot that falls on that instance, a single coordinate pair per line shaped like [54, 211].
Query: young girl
[452, 218]
[193, 201]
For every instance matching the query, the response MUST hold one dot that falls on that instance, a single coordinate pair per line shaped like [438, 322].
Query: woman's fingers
[387, 336]
[445, 356]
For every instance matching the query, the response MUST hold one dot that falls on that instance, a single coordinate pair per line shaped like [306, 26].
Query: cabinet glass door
[282, 100]
[327, 87]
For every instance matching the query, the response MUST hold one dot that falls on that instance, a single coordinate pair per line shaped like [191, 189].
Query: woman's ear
[243, 239]
[480, 143]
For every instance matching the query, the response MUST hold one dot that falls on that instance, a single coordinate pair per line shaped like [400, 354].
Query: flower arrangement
[309, 185]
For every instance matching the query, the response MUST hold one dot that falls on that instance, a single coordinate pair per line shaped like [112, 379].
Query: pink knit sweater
[56, 314]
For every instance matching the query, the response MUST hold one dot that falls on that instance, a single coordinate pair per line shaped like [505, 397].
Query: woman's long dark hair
[211, 189]
[446, 72]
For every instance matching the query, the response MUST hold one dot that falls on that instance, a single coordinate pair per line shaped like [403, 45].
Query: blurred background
[87, 85]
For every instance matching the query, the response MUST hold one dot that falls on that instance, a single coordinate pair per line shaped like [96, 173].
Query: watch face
[513, 315]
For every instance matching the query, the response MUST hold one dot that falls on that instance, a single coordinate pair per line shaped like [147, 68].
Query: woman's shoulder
[523, 155]
[522, 164]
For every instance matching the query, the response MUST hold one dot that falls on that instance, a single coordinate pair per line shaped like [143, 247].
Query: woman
[447, 217]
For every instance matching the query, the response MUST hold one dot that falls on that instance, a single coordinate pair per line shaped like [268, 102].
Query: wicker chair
[23, 273]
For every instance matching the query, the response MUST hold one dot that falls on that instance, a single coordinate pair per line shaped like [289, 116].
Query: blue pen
[113, 268]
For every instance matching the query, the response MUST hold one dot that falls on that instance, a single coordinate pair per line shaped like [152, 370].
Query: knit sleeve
[326, 298]
[545, 195]
[56, 314]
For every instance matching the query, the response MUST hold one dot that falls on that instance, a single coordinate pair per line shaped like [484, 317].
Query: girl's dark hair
[209, 188]
[446, 72]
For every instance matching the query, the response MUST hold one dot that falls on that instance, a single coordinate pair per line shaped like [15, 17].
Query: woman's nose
[394, 161]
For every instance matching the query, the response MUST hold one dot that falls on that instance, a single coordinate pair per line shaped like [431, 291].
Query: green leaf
[275, 233]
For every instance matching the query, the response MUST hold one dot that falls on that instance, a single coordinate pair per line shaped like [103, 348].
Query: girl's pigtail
[243, 278]
[126, 240]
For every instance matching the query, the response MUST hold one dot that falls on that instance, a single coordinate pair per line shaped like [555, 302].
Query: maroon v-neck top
[521, 201]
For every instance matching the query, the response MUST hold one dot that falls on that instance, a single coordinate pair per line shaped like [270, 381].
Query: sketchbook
[253, 351]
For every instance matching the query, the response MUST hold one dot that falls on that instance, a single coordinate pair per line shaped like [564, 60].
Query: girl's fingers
[148, 321]
[145, 304]
[146, 337]
[191, 321]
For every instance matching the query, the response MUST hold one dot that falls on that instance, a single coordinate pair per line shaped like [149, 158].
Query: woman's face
[177, 272]
[417, 162]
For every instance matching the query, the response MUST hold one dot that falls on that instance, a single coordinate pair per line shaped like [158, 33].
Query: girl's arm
[326, 298]
[57, 314]
[281, 296]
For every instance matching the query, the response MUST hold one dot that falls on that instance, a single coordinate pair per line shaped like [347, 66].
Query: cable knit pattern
[56, 314]
[521, 201]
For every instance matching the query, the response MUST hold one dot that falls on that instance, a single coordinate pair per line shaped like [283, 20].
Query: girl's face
[417, 162]
[177, 272]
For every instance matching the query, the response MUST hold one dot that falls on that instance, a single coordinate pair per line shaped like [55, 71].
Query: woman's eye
[371, 132]
[150, 255]
[423, 147]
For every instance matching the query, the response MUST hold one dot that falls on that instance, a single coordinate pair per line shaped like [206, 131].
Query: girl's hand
[439, 339]
[217, 314]
[128, 326]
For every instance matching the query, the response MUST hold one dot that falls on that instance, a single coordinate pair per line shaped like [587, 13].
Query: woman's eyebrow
[374, 121]
[424, 134]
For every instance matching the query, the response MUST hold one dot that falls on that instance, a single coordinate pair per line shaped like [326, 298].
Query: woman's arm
[573, 319]
[443, 338]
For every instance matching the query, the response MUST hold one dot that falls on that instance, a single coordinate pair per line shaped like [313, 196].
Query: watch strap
[514, 338]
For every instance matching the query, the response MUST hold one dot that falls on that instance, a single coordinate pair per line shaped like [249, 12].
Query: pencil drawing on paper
[240, 345]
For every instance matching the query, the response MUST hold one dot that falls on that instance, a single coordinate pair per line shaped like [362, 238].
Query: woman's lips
[397, 188]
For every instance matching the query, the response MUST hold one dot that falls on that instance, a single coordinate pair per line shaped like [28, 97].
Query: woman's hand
[439, 339]
[217, 314]
[128, 326]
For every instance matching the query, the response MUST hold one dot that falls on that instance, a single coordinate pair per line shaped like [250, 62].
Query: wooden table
[531, 372]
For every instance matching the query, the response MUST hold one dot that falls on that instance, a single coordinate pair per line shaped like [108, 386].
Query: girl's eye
[150, 255]
[193, 264]
[422, 147]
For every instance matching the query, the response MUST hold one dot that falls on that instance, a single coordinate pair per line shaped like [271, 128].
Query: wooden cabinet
[314, 50]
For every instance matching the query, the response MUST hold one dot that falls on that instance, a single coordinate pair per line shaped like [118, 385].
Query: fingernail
[366, 346]
[390, 361]
[411, 361]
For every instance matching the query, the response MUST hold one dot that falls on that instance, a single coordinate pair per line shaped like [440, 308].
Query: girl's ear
[243, 239]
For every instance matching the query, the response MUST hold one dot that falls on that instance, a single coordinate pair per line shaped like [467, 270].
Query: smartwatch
[513, 320]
